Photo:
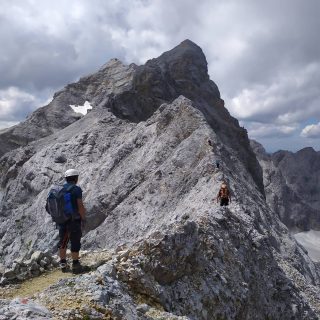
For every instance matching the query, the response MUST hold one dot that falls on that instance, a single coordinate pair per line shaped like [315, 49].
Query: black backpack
[60, 204]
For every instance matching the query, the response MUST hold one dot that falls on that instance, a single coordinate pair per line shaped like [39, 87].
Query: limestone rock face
[112, 78]
[135, 93]
[150, 182]
[23, 309]
[292, 185]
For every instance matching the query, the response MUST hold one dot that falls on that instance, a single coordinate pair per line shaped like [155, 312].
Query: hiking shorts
[224, 202]
[70, 231]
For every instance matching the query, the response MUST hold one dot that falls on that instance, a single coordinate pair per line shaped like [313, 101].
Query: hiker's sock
[63, 265]
[75, 262]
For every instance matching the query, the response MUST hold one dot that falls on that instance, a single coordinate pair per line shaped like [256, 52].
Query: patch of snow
[81, 109]
[311, 241]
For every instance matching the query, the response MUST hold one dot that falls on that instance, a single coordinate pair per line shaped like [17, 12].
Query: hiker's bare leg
[62, 253]
[75, 255]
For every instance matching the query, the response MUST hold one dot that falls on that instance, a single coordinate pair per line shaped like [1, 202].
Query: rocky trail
[34, 285]
[29, 288]
[29, 299]
[124, 278]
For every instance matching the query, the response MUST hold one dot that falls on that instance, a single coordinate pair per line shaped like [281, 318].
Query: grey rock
[9, 274]
[2, 269]
[60, 159]
[143, 308]
[3, 281]
[37, 256]
[291, 186]
[15, 267]
[43, 263]
[22, 276]
[108, 269]
[22, 309]
[35, 272]
[173, 246]
[34, 266]
[111, 79]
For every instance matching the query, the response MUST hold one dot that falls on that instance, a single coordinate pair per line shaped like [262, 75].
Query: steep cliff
[149, 184]
[291, 183]
[134, 93]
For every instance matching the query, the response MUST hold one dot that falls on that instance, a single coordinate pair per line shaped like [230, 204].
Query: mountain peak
[307, 151]
[150, 179]
[186, 46]
[186, 61]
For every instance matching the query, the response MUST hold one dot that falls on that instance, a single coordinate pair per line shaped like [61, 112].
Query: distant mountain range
[291, 182]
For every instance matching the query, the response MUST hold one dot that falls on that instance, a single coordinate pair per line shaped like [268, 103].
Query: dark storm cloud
[264, 56]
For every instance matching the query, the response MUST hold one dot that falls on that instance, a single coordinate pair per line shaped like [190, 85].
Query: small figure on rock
[215, 159]
[64, 204]
[158, 175]
[210, 144]
[224, 195]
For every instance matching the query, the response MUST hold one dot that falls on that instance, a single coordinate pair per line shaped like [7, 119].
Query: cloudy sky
[263, 55]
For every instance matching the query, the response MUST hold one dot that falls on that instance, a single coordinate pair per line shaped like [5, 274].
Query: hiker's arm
[82, 210]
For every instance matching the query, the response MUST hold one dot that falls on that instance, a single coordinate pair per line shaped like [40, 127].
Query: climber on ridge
[224, 195]
[215, 159]
[69, 218]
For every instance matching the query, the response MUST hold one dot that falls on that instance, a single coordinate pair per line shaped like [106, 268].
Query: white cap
[71, 173]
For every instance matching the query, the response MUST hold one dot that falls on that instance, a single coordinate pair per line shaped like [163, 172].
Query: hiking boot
[64, 267]
[78, 268]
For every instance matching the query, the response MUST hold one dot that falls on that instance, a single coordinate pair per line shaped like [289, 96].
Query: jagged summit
[130, 92]
[135, 93]
[185, 61]
[180, 71]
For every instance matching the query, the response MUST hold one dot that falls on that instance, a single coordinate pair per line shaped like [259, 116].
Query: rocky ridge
[109, 80]
[149, 181]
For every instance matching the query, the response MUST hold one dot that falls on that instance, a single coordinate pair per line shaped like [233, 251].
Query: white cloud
[311, 131]
[7, 124]
[258, 130]
[16, 104]
[291, 97]
[311, 241]
[12, 97]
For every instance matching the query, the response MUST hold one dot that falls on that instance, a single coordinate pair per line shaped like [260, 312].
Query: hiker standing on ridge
[215, 159]
[71, 230]
[224, 195]
[66, 208]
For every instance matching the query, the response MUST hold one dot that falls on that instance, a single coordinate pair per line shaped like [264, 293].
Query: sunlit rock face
[150, 182]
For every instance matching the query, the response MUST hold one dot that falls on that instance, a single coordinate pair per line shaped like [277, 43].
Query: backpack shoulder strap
[69, 188]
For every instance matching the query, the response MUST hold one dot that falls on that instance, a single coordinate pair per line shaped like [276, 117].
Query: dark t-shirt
[76, 194]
